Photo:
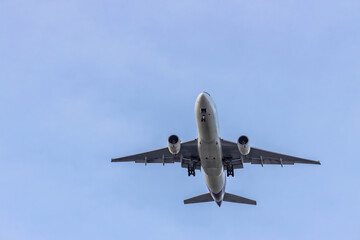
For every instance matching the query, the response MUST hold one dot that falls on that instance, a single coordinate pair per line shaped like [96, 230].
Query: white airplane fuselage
[209, 146]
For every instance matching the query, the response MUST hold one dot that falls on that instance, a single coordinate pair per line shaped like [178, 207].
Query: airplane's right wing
[188, 156]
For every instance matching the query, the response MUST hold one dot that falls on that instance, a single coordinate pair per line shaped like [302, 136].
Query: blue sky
[84, 81]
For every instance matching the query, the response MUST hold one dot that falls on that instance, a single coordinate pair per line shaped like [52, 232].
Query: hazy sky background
[84, 81]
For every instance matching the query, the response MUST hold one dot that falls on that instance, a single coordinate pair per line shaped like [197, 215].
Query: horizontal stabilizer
[199, 199]
[228, 197]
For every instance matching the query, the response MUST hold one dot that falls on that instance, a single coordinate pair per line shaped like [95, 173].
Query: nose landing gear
[203, 119]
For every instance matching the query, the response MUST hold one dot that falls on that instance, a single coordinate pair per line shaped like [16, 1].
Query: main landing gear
[230, 170]
[191, 171]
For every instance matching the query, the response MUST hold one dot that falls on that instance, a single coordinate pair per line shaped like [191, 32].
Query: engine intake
[174, 144]
[243, 145]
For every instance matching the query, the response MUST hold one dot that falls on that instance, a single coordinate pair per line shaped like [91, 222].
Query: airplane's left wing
[188, 156]
[232, 155]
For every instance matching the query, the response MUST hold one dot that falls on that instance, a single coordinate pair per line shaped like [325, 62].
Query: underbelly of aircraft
[211, 159]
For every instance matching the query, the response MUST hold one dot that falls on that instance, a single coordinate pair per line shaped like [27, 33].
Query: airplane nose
[219, 203]
[203, 101]
[202, 97]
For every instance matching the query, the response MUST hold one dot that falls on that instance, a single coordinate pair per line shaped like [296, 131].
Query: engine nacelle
[243, 145]
[174, 144]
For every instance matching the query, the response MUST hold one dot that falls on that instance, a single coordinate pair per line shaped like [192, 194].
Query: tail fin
[228, 197]
[199, 199]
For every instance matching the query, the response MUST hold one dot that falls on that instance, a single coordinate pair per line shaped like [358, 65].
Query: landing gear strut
[230, 170]
[191, 171]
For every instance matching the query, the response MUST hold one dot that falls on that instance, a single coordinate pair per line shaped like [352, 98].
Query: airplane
[212, 154]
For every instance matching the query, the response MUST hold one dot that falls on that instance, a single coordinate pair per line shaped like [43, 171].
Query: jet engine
[174, 144]
[243, 145]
